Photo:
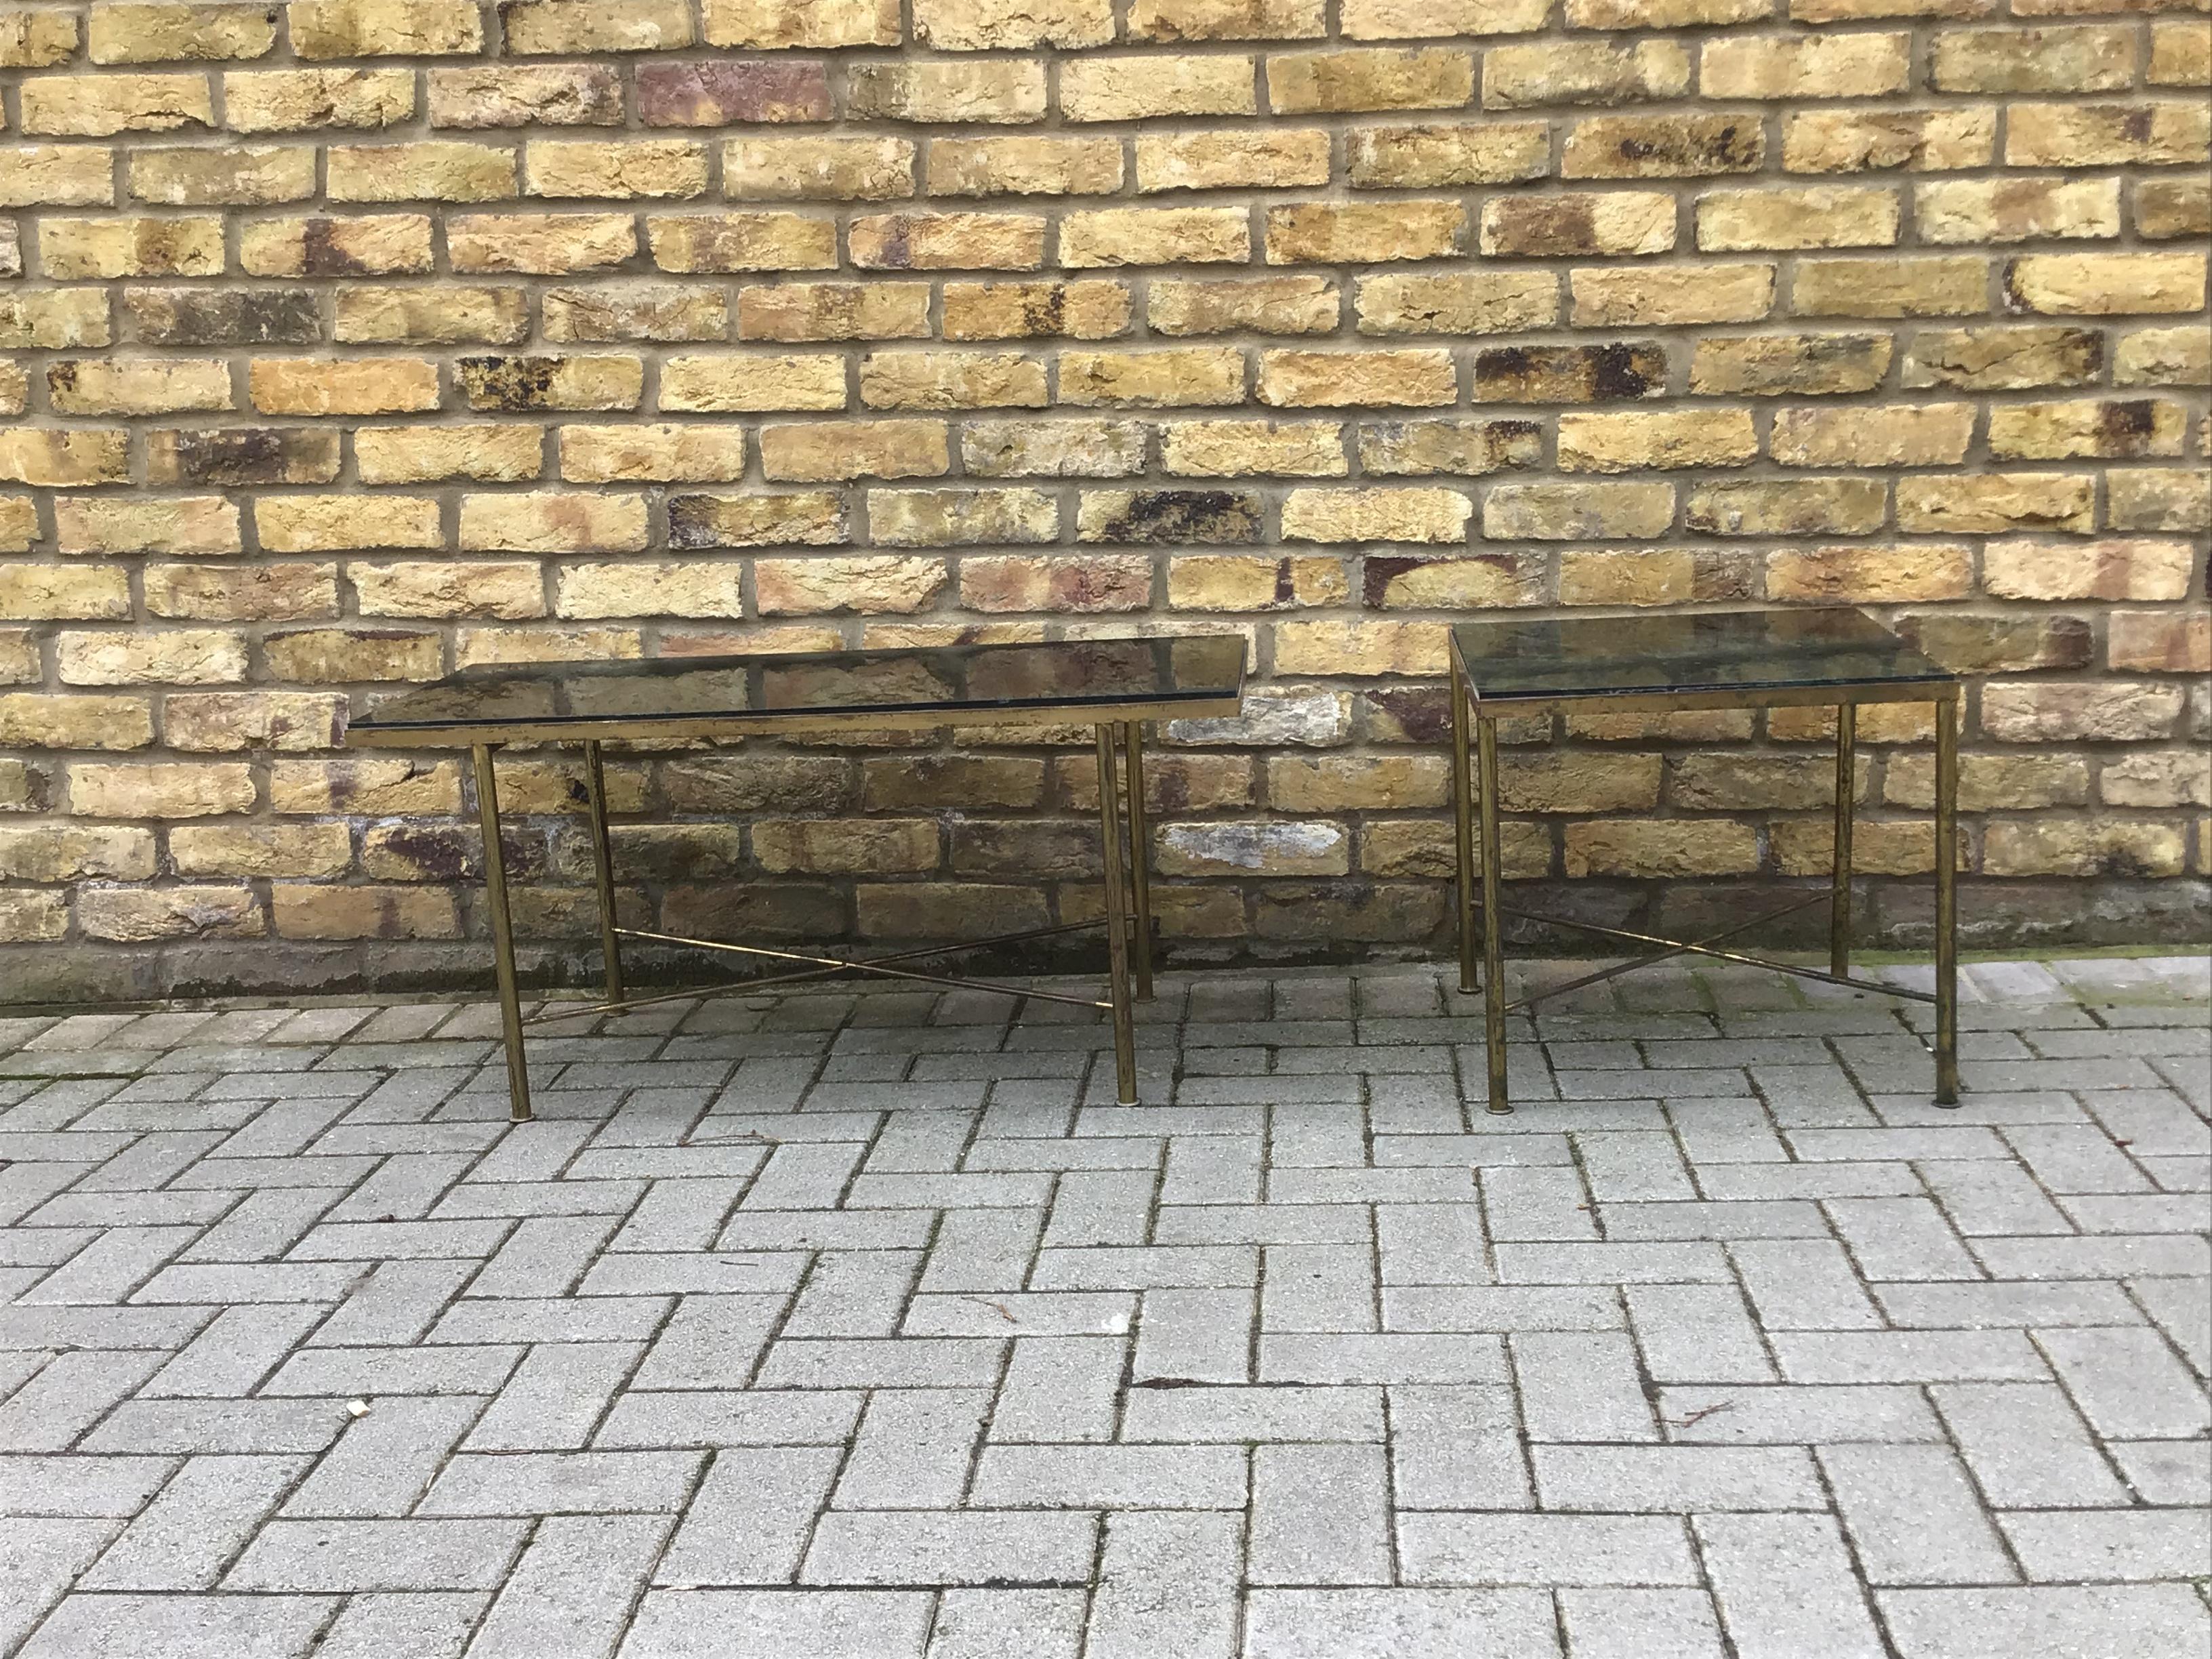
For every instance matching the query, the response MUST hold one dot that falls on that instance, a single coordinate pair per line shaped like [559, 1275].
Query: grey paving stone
[725, 1417]
[1907, 1357]
[2128, 1383]
[2111, 1545]
[1320, 1516]
[2143, 1621]
[572, 1592]
[1007, 1623]
[1796, 1414]
[2176, 1472]
[1457, 1448]
[1577, 1385]
[2183, 1310]
[749, 1522]
[563, 1483]
[185, 1537]
[1640, 1624]
[1786, 1588]
[1214, 1415]
[951, 1546]
[1168, 1582]
[378, 1555]
[1011, 1477]
[1400, 1623]
[1675, 1480]
[61, 1486]
[422, 1626]
[2027, 1446]
[1912, 1516]
[555, 1398]
[185, 1427]
[765, 1624]
[1697, 1332]
[38, 1559]
[1203, 1336]
[181, 1627]
[1545, 1551]
[914, 1449]
[1060, 1388]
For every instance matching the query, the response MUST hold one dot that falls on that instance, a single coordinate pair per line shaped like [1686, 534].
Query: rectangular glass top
[1074, 679]
[1716, 653]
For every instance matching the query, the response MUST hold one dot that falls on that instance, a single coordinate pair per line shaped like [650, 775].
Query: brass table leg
[1493, 918]
[1947, 900]
[502, 936]
[1117, 922]
[1463, 830]
[1839, 905]
[1141, 859]
[603, 870]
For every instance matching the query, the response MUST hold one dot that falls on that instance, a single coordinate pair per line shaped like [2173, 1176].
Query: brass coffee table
[1113, 686]
[1728, 660]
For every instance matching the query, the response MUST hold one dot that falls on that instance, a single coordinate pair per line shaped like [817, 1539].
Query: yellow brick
[1813, 66]
[1255, 581]
[655, 168]
[424, 454]
[297, 101]
[798, 519]
[826, 584]
[1378, 78]
[1859, 140]
[1924, 434]
[428, 171]
[742, 241]
[541, 245]
[728, 382]
[1944, 287]
[952, 380]
[1156, 236]
[1582, 72]
[1638, 297]
[652, 454]
[813, 24]
[37, 719]
[371, 244]
[1564, 511]
[1225, 20]
[553, 521]
[1823, 215]
[1361, 647]
[1332, 234]
[369, 28]
[1095, 582]
[169, 656]
[321, 524]
[1375, 515]
[1862, 574]
[37, 38]
[448, 588]
[2086, 428]
[543, 27]
[947, 241]
[336, 912]
[1475, 302]
[372, 315]
[1266, 305]
[39, 592]
[1231, 161]
[1627, 442]
[124, 32]
[1547, 226]
[2016, 209]
[1152, 379]
[1088, 310]
[2139, 133]
[1672, 848]
[1233, 449]
[261, 849]
[262, 593]
[987, 91]
[245, 175]
[1662, 146]
[143, 385]
[199, 525]
[1433, 155]
[1371, 378]
[95, 106]
[650, 588]
[83, 249]
[814, 168]
[981, 26]
[825, 451]
[1130, 88]
[64, 459]
[360, 386]
[1991, 502]
[2106, 284]
[59, 175]
[947, 518]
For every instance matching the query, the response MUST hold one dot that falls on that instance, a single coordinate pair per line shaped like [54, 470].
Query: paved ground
[838, 1327]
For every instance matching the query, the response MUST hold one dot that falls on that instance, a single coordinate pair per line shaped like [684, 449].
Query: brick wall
[352, 341]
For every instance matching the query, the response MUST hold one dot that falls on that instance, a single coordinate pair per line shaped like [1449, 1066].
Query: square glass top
[1713, 653]
[1072, 679]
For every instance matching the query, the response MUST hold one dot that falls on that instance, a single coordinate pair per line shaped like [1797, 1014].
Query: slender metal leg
[1117, 923]
[1947, 902]
[1839, 905]
[603, 869]
[1493, 920]
[1141, 859]
[1463, 830]
[502, 936]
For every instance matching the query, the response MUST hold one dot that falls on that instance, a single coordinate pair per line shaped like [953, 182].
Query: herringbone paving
[838, 1326]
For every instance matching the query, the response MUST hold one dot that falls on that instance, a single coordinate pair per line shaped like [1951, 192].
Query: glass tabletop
[977, 680]
[1717, 651]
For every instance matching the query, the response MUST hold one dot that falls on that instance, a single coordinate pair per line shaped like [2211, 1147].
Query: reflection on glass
[939, 679]
[1718, 652]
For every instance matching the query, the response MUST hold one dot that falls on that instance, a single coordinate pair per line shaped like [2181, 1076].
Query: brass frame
[1127, 915]
[1479, 921]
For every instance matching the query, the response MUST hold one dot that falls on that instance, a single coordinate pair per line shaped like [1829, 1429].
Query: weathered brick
[1989, 503]
[2013, 209]
[85, 249]
[368, 315]
[1938, 287]
[540, 244]
[367, 28]
[810, 24]
[1862, 141]
[1126, 88]
[1152, 379]
[367, 245]
[1550, 227]
[2106, 284]
[548, 26]
[742, 241]
[1093, 583]
[176, 524]
[526, 95]
[97, 107]
[1571, 374]
[727, 382]
[323, 524]
[1233, 448]
[1329, 234]
[1663, 146]
[2003, 358]
[1628, 442]
[1373, 379]
[299, 100]
[826, 584]
[1828, 216]
[807, 518]
[59, 175]
[1232, 582]
[724, 93]
[1413, 448]
[239, 175]
[992, 91]
[403, 454]
[1436, 154]
[659, 168]
[1857, 574]
[1265, 305]
[802, 453]
[1801, 364]
[1563, 511]
[1230, 161]
[1926, 435]
[947, 241]
[1088, 310]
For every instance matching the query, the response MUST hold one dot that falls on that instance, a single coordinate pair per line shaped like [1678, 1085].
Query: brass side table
[1728, 659]
[1113, 686]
